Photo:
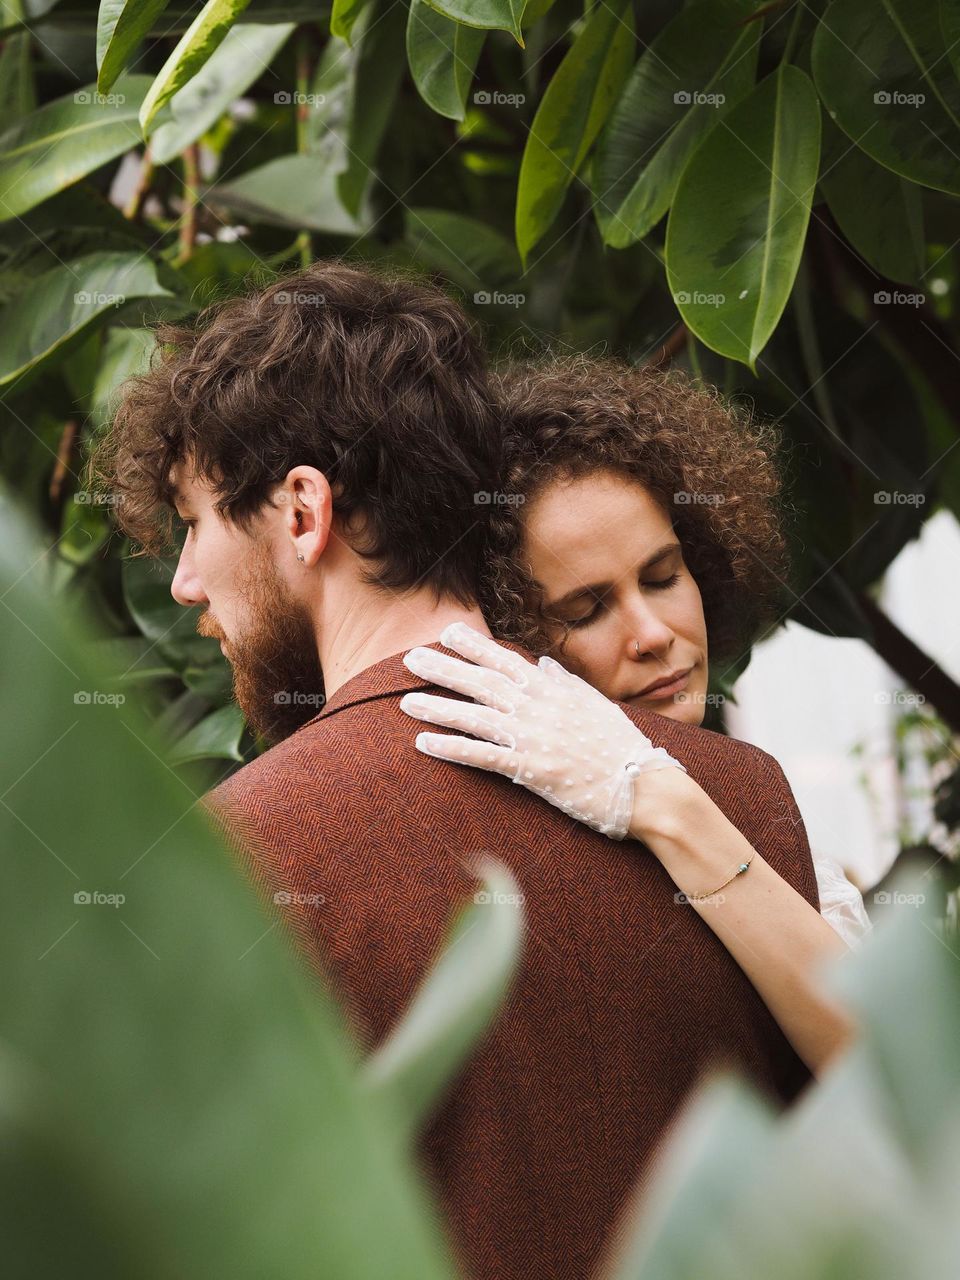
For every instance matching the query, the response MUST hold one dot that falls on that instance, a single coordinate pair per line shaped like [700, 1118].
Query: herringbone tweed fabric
[623, 999]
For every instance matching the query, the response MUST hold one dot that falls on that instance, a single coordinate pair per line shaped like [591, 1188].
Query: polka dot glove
[539, 725]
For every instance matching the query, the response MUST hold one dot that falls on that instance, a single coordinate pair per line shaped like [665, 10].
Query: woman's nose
[646, 631]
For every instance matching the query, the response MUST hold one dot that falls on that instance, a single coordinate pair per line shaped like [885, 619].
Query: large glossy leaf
[295, 191]
[502, 15]
[698, 67]
[456, 1003]
[343, 15]
[247, 50]
[355, 88]
[950, 26]
[125, 352]
[886, 80]
[173, 629]
[208, 1087]
[880, 213]
[909, 1039]
[121, 27]
[442, 55]
[18, 95]
[65, 140]
[66, 303]
[731, 273]
[216, 737]
[195, 46]
[724, 1126]
[467, 251]
[571, 114]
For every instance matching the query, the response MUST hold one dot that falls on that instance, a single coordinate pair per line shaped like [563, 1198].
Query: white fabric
[558, 736]
[841, 903]
[542, 727]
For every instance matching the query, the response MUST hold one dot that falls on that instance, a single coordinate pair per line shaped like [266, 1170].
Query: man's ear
[310, 518]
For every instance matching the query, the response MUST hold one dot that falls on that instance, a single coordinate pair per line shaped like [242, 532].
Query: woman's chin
[683, 710]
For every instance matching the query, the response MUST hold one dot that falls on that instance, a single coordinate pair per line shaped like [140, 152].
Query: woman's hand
[539, 725]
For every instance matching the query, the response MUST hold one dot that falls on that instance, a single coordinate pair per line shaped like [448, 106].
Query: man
[329, 442]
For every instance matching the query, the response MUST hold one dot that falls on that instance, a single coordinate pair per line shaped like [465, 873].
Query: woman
[638, 535]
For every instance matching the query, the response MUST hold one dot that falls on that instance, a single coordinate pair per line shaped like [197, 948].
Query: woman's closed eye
[660, 585]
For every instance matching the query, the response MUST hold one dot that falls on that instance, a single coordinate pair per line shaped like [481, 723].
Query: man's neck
[363, 637]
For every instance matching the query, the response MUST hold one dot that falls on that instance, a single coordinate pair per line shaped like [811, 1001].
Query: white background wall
[809, 698]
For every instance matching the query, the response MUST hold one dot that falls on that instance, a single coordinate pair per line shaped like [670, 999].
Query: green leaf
[465, 250]
[125, 352]
[950, 28]
[731, 272]
[880, 213]
[355, 87]
[571, 114]
[65, 140]
[443, 56]
[122, 25]
[195, 46]
[133, 659]
[497, 15]
[146, 593]
[885, 79]
[246, 52]
[909, 1039]
[65, 304]
[18, 94]
[456, 1003]
[650, 135]
[343, 16]
[211, 1086]
[216, 737]
[295, 191]
[723, 1125]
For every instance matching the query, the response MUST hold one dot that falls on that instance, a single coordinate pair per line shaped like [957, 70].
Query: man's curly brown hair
[375, 377]
[568, 416]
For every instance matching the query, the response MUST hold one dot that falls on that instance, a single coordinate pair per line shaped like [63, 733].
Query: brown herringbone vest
[623, 998]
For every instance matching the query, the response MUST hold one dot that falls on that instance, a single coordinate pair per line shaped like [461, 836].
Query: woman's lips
[665, 691]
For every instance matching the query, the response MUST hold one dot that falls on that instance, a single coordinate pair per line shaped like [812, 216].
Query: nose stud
[637, 643]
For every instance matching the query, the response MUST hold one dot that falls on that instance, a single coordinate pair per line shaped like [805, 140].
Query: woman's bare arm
[778, 939]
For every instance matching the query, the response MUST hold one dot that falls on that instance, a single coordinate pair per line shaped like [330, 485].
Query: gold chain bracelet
[739, 872]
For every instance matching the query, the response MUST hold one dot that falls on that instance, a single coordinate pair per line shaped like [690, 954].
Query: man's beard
[277, 680]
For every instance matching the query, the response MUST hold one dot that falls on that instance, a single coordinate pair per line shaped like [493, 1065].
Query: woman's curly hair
[712, 465]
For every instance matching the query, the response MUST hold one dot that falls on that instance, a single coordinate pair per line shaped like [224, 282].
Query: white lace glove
[541, 726]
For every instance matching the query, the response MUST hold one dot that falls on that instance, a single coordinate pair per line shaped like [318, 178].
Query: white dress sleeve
[841, 903]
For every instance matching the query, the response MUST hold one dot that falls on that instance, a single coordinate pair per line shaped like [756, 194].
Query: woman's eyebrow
[598, 588]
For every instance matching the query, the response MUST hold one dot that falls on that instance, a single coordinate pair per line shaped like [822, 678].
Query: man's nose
[185, 587]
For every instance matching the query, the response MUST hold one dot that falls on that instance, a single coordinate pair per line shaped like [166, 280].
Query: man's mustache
[208, 626]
